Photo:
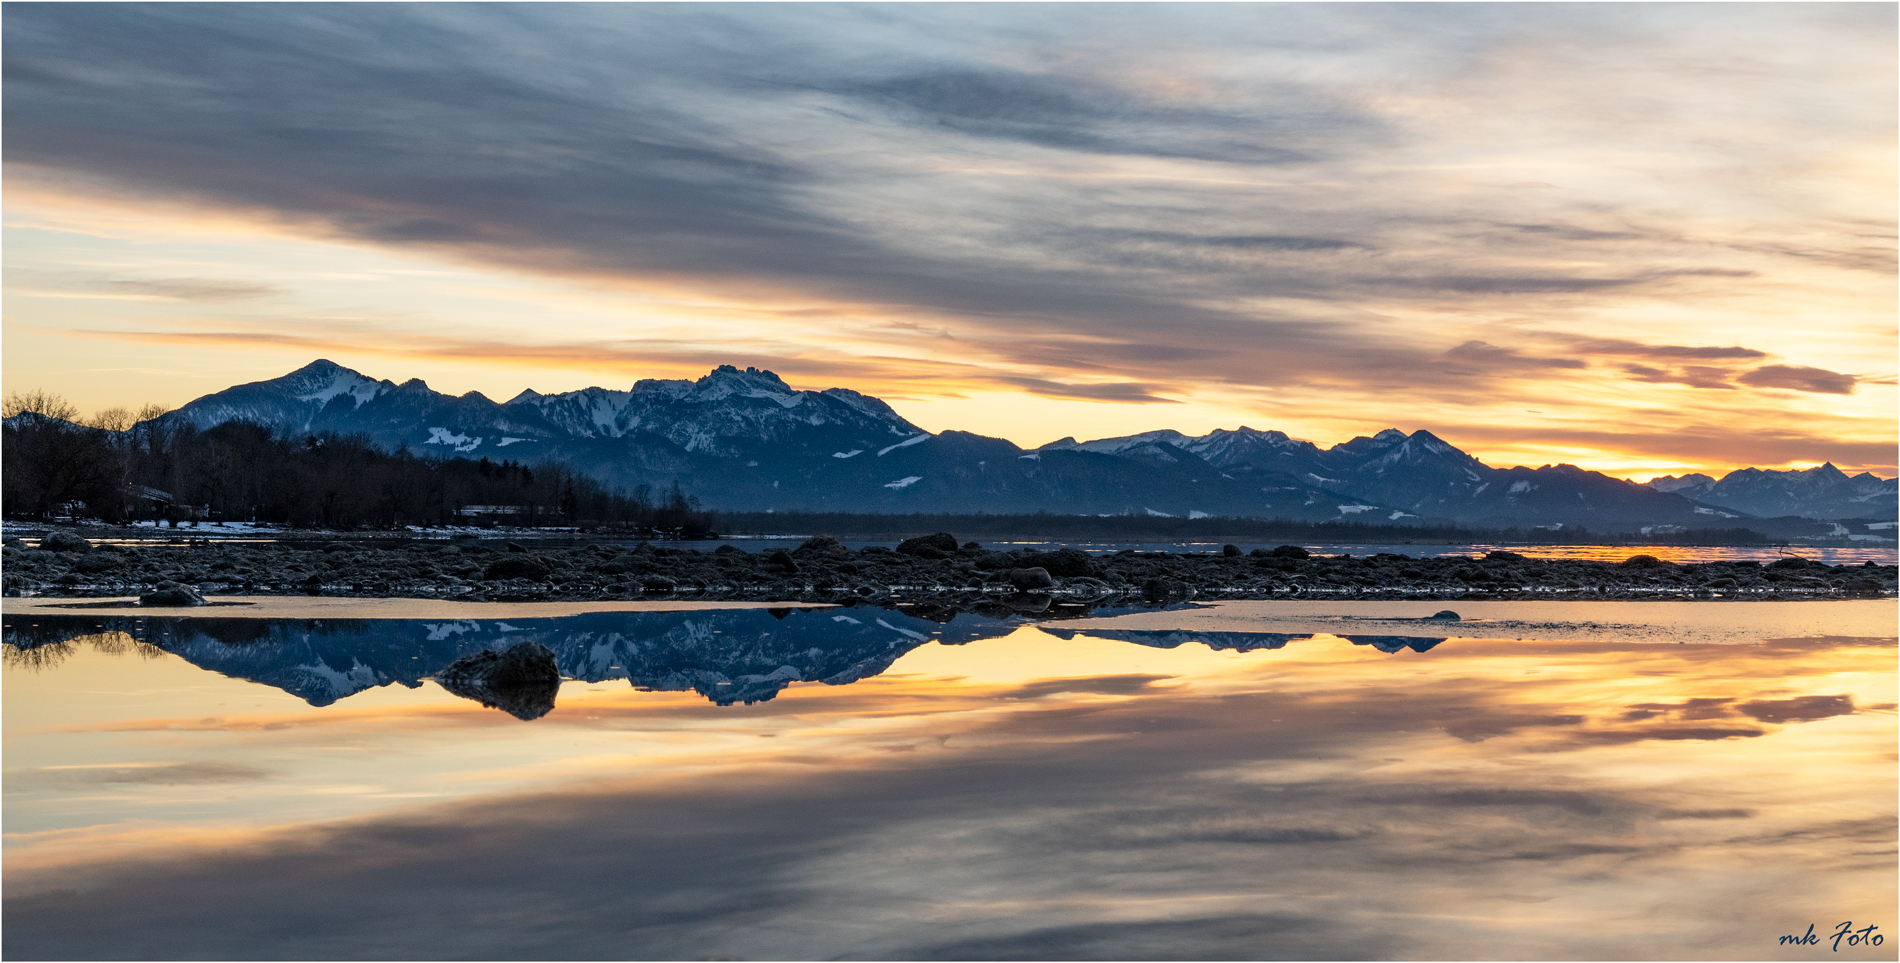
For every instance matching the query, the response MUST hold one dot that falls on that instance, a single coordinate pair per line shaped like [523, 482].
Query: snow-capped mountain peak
[321, 381]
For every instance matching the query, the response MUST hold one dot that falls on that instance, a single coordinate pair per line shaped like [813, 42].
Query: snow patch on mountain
[456, 440]
[905, 482]
[906, 443]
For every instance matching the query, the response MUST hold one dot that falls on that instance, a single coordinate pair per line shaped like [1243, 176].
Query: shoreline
[929, 570]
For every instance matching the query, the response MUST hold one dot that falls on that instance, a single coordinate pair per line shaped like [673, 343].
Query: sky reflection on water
[1072, 790]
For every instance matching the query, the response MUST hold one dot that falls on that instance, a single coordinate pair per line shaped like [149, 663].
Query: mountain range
[744, 440]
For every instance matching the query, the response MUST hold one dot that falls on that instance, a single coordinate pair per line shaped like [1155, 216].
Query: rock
[1291, 551]
[658, 583]
[172, 593]
[728, 550]
[1063, 562]
[521, 680]
[995, 561]
[1031, 578]
[1446, 615]
[925, 546]
[64, 542]
[1646, 561]
[1230, 551]
[781, 562]
[515, 548]
[823, 545]
[1503, 557]
[972, 546]
[13, 541]
[98, 562]
[517, 566]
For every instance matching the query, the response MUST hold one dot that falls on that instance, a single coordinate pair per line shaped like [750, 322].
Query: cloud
[1798, 378]
[1693, 440]
[1490, 358]
[1799, 709]
[1050, 110]
[1126, 393]
[1695, 376]
[1666, 352]
[197, 289]
[1237, 185]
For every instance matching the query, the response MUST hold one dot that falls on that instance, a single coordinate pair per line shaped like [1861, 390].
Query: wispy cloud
[1140, 197]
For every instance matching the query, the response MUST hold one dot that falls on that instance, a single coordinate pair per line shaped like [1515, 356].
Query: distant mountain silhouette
[743, 440]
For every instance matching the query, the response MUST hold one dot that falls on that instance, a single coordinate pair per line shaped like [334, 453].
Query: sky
[1640, 238]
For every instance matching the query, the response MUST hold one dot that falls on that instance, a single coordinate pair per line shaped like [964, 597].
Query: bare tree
[111, 419]
[41, 402]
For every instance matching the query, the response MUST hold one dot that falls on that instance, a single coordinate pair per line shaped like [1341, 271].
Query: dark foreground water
[1257, 780]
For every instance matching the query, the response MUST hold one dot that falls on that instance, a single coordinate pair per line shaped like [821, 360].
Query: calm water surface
[1251, 780]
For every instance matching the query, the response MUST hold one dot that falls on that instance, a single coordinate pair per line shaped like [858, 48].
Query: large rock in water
[65, 542]
[823, 545]
[172, 593]
[520, 680]
[1029, 579]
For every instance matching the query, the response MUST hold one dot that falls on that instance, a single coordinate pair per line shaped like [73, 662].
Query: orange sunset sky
[1641, 238]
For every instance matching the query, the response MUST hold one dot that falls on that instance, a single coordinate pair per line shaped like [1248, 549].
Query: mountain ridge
[744, 440]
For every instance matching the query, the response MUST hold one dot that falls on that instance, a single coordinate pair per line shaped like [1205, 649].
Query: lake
[1245, 780]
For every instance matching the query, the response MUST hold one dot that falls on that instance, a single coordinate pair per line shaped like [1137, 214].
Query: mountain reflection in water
[738, 656]
[1576, 780]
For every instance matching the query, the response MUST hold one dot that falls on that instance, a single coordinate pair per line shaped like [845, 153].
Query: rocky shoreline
[934, 569]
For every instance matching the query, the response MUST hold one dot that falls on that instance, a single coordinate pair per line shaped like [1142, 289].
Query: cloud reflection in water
[1081, 797]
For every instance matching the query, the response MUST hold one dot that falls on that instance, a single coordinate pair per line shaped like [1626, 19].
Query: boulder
[781, 562]
[995, 561]
[170, 593]
[1503, 557]
[1031, 578]
[1230, 551]
[521, 680]
[65, 542]
[1291, 551]
[1445, 615]
[1646, 561]
[940, 545]
[823, 545]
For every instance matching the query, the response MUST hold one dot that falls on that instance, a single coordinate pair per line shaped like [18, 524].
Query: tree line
[123, 466]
